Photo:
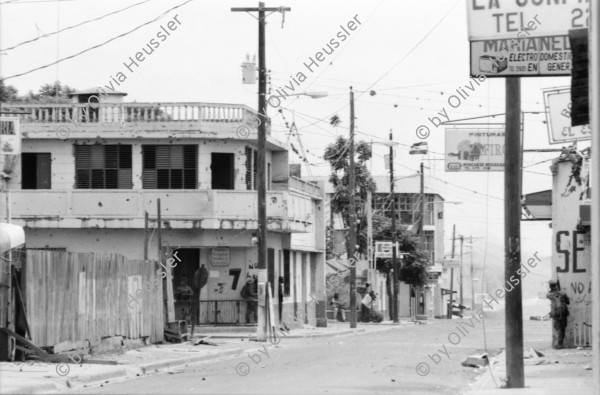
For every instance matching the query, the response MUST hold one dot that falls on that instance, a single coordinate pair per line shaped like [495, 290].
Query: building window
[286, 272]
[170, 166]
[222, 170]
[251, 168]
[103, 167]
[35, 170]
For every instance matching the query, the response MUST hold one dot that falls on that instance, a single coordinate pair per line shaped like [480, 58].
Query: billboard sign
[452, 263]
[558, 118]
[476, 149]
[533, 56]
[493, 19]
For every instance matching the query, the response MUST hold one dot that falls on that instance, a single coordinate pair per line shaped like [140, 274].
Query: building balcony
[136, 119]
[287, 211]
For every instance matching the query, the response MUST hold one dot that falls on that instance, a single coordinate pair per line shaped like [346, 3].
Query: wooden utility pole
[452, 274]
[261, 330]
[512, 235]
[422, 205]
[352, 214]
[170, 299]
[394, 241]
[594, 92]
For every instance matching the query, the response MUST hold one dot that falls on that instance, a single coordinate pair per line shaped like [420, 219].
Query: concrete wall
[571, 255]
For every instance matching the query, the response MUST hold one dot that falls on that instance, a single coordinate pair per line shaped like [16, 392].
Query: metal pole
[452, 274]
[462, 240]
[472, 288]
[512, 236]
[145, 236]
[594, 84]
[394, 241]
[352, 214]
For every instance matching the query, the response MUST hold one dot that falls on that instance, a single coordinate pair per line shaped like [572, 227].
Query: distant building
[427, 301]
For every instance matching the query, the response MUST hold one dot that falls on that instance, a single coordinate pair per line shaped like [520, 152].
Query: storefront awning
[11, 236]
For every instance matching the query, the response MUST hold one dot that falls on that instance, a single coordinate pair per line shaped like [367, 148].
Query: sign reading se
[493, 19]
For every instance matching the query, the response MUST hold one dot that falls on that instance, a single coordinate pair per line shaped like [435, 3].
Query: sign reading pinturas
[558, 118]
[478, 149]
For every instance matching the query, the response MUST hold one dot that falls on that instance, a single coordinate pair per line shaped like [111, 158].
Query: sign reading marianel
[550, 55]
[474, 149]
[558, 118]
[220, 256]
[523, 37]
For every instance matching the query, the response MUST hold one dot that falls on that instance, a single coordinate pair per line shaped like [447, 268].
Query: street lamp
[391, 144]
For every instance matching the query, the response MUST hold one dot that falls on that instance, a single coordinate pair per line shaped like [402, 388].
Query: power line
[74, 26]
[99, 45]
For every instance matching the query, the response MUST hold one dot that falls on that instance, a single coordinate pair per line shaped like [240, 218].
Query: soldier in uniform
[559, 313]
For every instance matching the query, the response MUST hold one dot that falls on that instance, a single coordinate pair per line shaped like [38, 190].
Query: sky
[403, 60]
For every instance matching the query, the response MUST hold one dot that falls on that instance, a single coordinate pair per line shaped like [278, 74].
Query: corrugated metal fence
[80, 296]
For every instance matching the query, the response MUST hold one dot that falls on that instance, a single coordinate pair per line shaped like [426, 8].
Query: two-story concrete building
[90, 171]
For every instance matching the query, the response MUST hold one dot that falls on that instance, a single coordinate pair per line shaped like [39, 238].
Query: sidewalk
[559, 371]
[34, 377]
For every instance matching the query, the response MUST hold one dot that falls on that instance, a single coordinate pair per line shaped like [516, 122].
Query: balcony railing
[130, 112]
[304, 186]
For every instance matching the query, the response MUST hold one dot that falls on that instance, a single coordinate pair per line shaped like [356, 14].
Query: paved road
[383, 362]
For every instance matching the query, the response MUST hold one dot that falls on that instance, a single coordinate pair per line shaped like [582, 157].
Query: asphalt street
[412, 359]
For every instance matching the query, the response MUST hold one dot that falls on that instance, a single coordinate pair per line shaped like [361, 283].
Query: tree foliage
[414, 265]
[48, 93]
[337, 156]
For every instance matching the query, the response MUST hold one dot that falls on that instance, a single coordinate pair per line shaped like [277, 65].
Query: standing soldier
[559, 313]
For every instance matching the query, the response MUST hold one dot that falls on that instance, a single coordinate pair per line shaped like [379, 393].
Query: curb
[33, 389]
[123, 371]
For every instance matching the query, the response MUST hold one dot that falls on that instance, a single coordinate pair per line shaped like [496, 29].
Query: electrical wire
[99, 45]
[73, 27]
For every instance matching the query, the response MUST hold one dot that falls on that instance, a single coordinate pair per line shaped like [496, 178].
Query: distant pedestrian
[338, 308]
[365, 314]
[559, 313]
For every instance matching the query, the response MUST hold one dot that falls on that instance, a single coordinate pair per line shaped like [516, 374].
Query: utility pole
[394, 241]
[261, 329]
[352, 214]
[462, 240]
[472, 283]
[594, 92]
[512, 235]
[422, 205]
[452, 273]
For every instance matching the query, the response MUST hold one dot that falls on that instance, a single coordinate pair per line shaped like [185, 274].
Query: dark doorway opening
[35, 170]
[223, 169]
[184, 289]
